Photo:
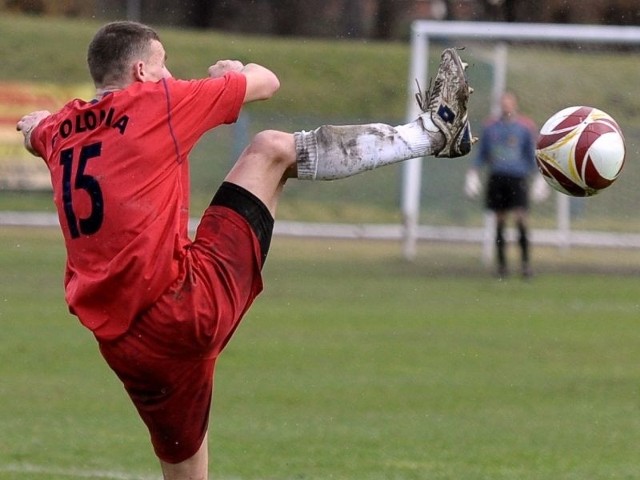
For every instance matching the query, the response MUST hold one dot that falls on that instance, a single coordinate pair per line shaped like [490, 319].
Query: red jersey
[120, 176]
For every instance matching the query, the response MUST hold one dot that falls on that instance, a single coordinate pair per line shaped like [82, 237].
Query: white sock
[331, 152]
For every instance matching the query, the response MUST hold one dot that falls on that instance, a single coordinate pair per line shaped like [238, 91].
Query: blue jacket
[507, 147]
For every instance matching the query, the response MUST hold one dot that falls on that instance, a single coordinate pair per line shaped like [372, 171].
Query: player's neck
[102, 91]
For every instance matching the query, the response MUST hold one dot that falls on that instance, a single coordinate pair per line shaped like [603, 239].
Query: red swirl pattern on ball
[565, 182]
[565, 126]
[584, 163]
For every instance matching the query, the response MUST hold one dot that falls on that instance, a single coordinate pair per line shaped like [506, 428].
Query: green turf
[321, 76]
[352, 365]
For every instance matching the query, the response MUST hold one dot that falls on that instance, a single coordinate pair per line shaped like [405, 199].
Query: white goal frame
[422, 31]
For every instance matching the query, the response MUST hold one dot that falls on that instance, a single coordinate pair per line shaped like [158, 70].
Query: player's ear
[139, 71]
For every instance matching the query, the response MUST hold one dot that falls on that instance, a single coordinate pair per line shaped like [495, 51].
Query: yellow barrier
[20, 170]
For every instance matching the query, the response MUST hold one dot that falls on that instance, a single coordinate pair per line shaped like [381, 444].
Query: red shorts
[166, 360]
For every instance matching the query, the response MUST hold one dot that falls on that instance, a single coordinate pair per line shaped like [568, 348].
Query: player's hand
[223, 66]
[26, 125]
[472, 184]
[540, 190]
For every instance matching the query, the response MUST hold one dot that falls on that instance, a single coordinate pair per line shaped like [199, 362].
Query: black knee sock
[524, 243]
[500, 245]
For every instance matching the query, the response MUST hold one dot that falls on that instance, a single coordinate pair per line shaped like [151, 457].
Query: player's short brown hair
[114, 47]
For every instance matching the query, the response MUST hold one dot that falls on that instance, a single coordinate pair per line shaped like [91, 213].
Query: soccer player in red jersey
[160, 305]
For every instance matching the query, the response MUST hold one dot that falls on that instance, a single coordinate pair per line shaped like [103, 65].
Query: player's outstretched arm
[262, 83]
[26, 125]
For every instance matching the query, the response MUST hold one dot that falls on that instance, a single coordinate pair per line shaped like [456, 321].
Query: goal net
[549, 67]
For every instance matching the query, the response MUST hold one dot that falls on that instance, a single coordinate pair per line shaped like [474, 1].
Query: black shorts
[506, 193]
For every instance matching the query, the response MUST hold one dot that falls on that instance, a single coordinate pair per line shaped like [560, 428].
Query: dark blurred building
[334, 18]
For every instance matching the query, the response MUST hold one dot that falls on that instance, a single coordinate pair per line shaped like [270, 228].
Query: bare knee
[265, 165]
[521, 215]
[278, 148]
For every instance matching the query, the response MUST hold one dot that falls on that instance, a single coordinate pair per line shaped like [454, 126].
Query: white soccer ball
[580, 151]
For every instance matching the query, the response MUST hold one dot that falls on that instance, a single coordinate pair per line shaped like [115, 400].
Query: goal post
[455, 34]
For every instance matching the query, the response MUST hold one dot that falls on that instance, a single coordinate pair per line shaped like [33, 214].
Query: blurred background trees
[369, 19]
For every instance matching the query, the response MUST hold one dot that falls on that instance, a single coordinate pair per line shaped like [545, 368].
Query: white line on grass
[25, 468]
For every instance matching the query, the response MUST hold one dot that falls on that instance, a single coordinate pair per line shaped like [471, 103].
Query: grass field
[352, 365]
